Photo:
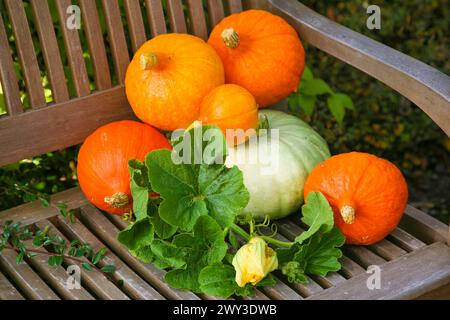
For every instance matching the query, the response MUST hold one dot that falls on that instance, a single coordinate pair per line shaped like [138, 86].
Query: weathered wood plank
[156, 18]
[107, 232]
[60, 126]
[27, 55]
[197, 18]
[8, 78]
[25, 278]
[74, 51]
[32, 212]
[424, 226]
[116, 37]
[96, 44]
[387, 250]
[135, 23]
[215, 10]
[7, 290]
[406, 241]
[176, 16]
[234, 6]
[50, 50]
[96, 281]
[56, 277]
[363, 256]
[133, 285]
[407, 277]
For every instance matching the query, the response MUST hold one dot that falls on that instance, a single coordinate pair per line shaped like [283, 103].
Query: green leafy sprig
[28, 244]
[311, 89]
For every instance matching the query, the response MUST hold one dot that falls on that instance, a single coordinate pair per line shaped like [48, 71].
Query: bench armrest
[425, 86]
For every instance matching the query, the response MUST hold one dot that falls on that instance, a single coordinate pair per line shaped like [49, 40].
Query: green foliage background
[382, 122]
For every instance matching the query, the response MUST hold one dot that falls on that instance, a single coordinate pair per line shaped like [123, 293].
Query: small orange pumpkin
[103, 162]
[368, 194]
[168, 78]
[260, 52]
[233, 109]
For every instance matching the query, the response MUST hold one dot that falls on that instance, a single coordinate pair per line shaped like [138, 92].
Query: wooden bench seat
[410, 264]
[414, 259]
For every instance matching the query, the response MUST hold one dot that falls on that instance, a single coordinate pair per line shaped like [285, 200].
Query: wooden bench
[414, 258]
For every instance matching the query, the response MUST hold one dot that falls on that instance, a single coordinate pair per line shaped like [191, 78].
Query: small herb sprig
[28, 244]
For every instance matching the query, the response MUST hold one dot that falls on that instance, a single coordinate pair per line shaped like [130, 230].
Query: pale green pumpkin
[275, 172]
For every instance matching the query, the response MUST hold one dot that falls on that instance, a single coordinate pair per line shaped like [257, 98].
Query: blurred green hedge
[383, 122]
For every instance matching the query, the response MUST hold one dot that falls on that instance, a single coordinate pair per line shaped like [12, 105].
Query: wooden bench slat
[424, 226]
[406, 241]
[116, 37]
[135, 23]
[50, 50]
[197, 19]
[387, 250]
[96, 281]
[156, 18]
[27, 55]
[96, 44]
[56, 277]
[8, 78]
[362, 256]
[25, 278]
[7, 290]
[176, 16]
[215, 10]
[50, 129]
[234, 6]
[407, 277]
[107, 232]
[32, 212]
[133, 285]
[74, 51]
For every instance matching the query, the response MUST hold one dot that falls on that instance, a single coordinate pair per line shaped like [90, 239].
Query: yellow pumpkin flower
[254, 261]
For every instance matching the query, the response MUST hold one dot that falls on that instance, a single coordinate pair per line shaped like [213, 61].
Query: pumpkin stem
[230, 37]
[348, 214]
[118, 200]
[148, 60]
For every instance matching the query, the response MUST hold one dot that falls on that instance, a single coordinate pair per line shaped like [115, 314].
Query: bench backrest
[76, 110]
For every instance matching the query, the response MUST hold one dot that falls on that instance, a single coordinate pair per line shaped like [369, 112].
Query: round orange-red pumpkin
[102, 167]
[260, 52]
[368, 194]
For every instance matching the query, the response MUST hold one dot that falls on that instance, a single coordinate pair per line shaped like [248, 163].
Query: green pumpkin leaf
[218, 280]
[162, 229]
[137, 235]
[206, 246]
[315, 251]
[192, 190]
[170, 255]
[317, 214]
[139, 184]
[321, 254]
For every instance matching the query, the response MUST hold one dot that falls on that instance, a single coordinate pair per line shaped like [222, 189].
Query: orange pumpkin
[368, 194]
[233, 109]
[260, 52]
[168, 78]
[103, 162]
